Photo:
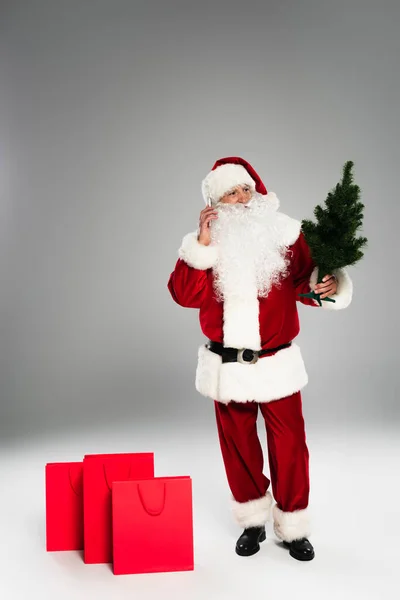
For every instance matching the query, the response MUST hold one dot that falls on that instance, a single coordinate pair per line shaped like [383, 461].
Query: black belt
[241, 355]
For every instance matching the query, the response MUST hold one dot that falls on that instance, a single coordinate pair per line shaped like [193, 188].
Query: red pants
[288, 462]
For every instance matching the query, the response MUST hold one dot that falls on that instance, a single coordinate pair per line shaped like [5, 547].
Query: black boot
[300, 549]
[249, 542]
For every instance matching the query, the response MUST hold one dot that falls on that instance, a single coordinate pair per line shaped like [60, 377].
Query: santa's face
[240, 194]
[251, 254]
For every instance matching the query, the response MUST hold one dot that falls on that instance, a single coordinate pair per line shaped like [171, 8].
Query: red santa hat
[226, 174]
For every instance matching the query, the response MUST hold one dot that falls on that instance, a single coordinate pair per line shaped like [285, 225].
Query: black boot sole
[298, 556]
[254, 550]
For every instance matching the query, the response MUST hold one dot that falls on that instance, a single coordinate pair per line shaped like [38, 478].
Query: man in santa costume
[244, 269]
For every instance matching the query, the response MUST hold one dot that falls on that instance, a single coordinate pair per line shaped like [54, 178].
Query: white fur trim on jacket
[289, 526]
[197, 255]
[253, 513]
[344, 294]
[289, 227]
[270, 378]
[223, 179]
[241, 321]
[273, 200]
[241, 325]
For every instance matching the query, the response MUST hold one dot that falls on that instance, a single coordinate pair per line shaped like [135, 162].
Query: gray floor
[354, 501]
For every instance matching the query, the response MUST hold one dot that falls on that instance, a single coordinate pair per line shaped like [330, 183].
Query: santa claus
[244, 269]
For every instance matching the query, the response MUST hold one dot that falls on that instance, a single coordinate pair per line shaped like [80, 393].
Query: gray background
[111, 113]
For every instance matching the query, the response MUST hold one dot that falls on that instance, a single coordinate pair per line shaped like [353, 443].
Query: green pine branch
[332, 239]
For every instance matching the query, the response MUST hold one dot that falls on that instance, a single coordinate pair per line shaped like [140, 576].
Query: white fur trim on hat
[197, 255]
[289, 526]
[224, 178]
[253, 513]
[344, 294]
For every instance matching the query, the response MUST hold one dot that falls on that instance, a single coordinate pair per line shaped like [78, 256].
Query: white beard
[252, 255]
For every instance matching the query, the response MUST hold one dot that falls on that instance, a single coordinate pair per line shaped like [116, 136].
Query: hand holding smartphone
[207, 215]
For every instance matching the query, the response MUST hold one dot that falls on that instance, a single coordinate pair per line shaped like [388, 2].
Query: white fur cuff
[197, 255]
[289, 526]
[253, 513]
[344, 292]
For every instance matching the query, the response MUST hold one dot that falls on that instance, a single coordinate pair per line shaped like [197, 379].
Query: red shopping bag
[99, 473]
[153, 525]
[64, 506]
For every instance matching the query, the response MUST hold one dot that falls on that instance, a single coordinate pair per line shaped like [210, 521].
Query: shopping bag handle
[109, 484]
[150, 511]
[77, 490]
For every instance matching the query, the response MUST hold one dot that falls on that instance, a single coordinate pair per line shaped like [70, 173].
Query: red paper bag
[99, 473]
[64, 506]
[153, 525]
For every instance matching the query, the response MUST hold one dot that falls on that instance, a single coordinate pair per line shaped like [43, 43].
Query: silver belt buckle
[241, 360]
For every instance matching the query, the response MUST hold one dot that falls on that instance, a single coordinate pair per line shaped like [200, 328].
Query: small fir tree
[332, 239]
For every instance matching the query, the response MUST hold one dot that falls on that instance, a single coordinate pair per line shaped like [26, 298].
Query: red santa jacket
[250, 321]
